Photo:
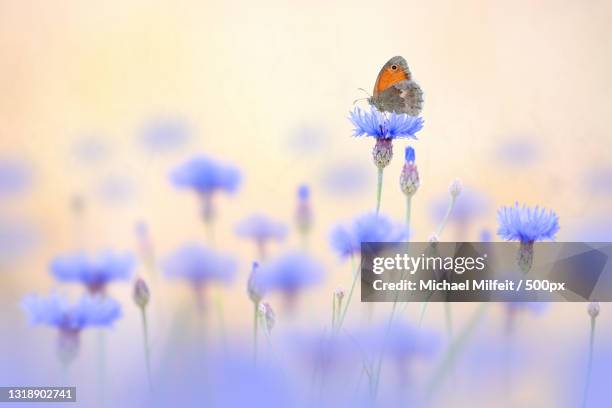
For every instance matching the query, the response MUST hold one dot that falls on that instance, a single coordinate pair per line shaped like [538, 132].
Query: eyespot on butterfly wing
[395, 91]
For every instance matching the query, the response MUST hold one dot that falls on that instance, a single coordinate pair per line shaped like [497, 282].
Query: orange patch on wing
[387, 77]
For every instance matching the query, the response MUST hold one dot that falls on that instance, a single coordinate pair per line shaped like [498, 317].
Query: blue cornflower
[70, 318]
[289, 273]
[205, 175]
[303, 192]
[384, 125]
[56, 310]
[526, 224]
[369, 227]
[199, 265]
[96, 271]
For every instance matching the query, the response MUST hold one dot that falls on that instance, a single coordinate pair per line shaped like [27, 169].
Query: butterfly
[395, 91]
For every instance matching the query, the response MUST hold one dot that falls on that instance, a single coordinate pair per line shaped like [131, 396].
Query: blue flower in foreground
[70, 318]
[205, 175]
[400, 341]
[384, 125]
[370, 227]
[59, 312]
[199, 265]
[261, 228]
[289, 273]
[96, 271]
[526, 224]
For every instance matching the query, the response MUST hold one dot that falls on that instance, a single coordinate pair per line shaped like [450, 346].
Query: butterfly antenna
[366, 92]
[361, 99]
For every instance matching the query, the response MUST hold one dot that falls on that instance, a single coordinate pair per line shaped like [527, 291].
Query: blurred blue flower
[205, 175]
[56, 310]
[261, 228]
[469, 205]
[289, 273]
[15, 177]
[527, 224]
[199, 264]
[303, 192]
[96, 271]
[164, 135]
[369, 227]
[400, 341]
[223, 378]
[384, 125]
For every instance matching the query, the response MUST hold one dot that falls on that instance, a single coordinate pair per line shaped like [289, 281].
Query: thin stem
[145, 330]
[444, 221]
[379, 189]
[382, 350]
[408, 211]
[333, 311]
[590, 363]
[356, 274]
[101, 367]
[449, 319]
[454, 349]
[221, 320]
[255, 329]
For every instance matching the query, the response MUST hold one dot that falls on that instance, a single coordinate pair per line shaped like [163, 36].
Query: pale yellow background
[246, 74]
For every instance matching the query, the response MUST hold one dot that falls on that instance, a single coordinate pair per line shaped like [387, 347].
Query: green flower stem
[333, 311]
[356, 274]
[444, 221]
[379, 188]
[145, 330]
[221, 320]
[590, 363]
[454, 350]
[408, 211]
[255, 329]
[101, 367]
[449, 319]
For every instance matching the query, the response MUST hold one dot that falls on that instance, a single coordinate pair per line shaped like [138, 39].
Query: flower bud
[339, 294]
[141, 293]
[303, 214]
[253, 290]
[383, 152]
[409, 178]
[455, 188]
[593, 309]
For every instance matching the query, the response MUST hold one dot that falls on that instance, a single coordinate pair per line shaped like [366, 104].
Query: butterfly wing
[402, 97]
